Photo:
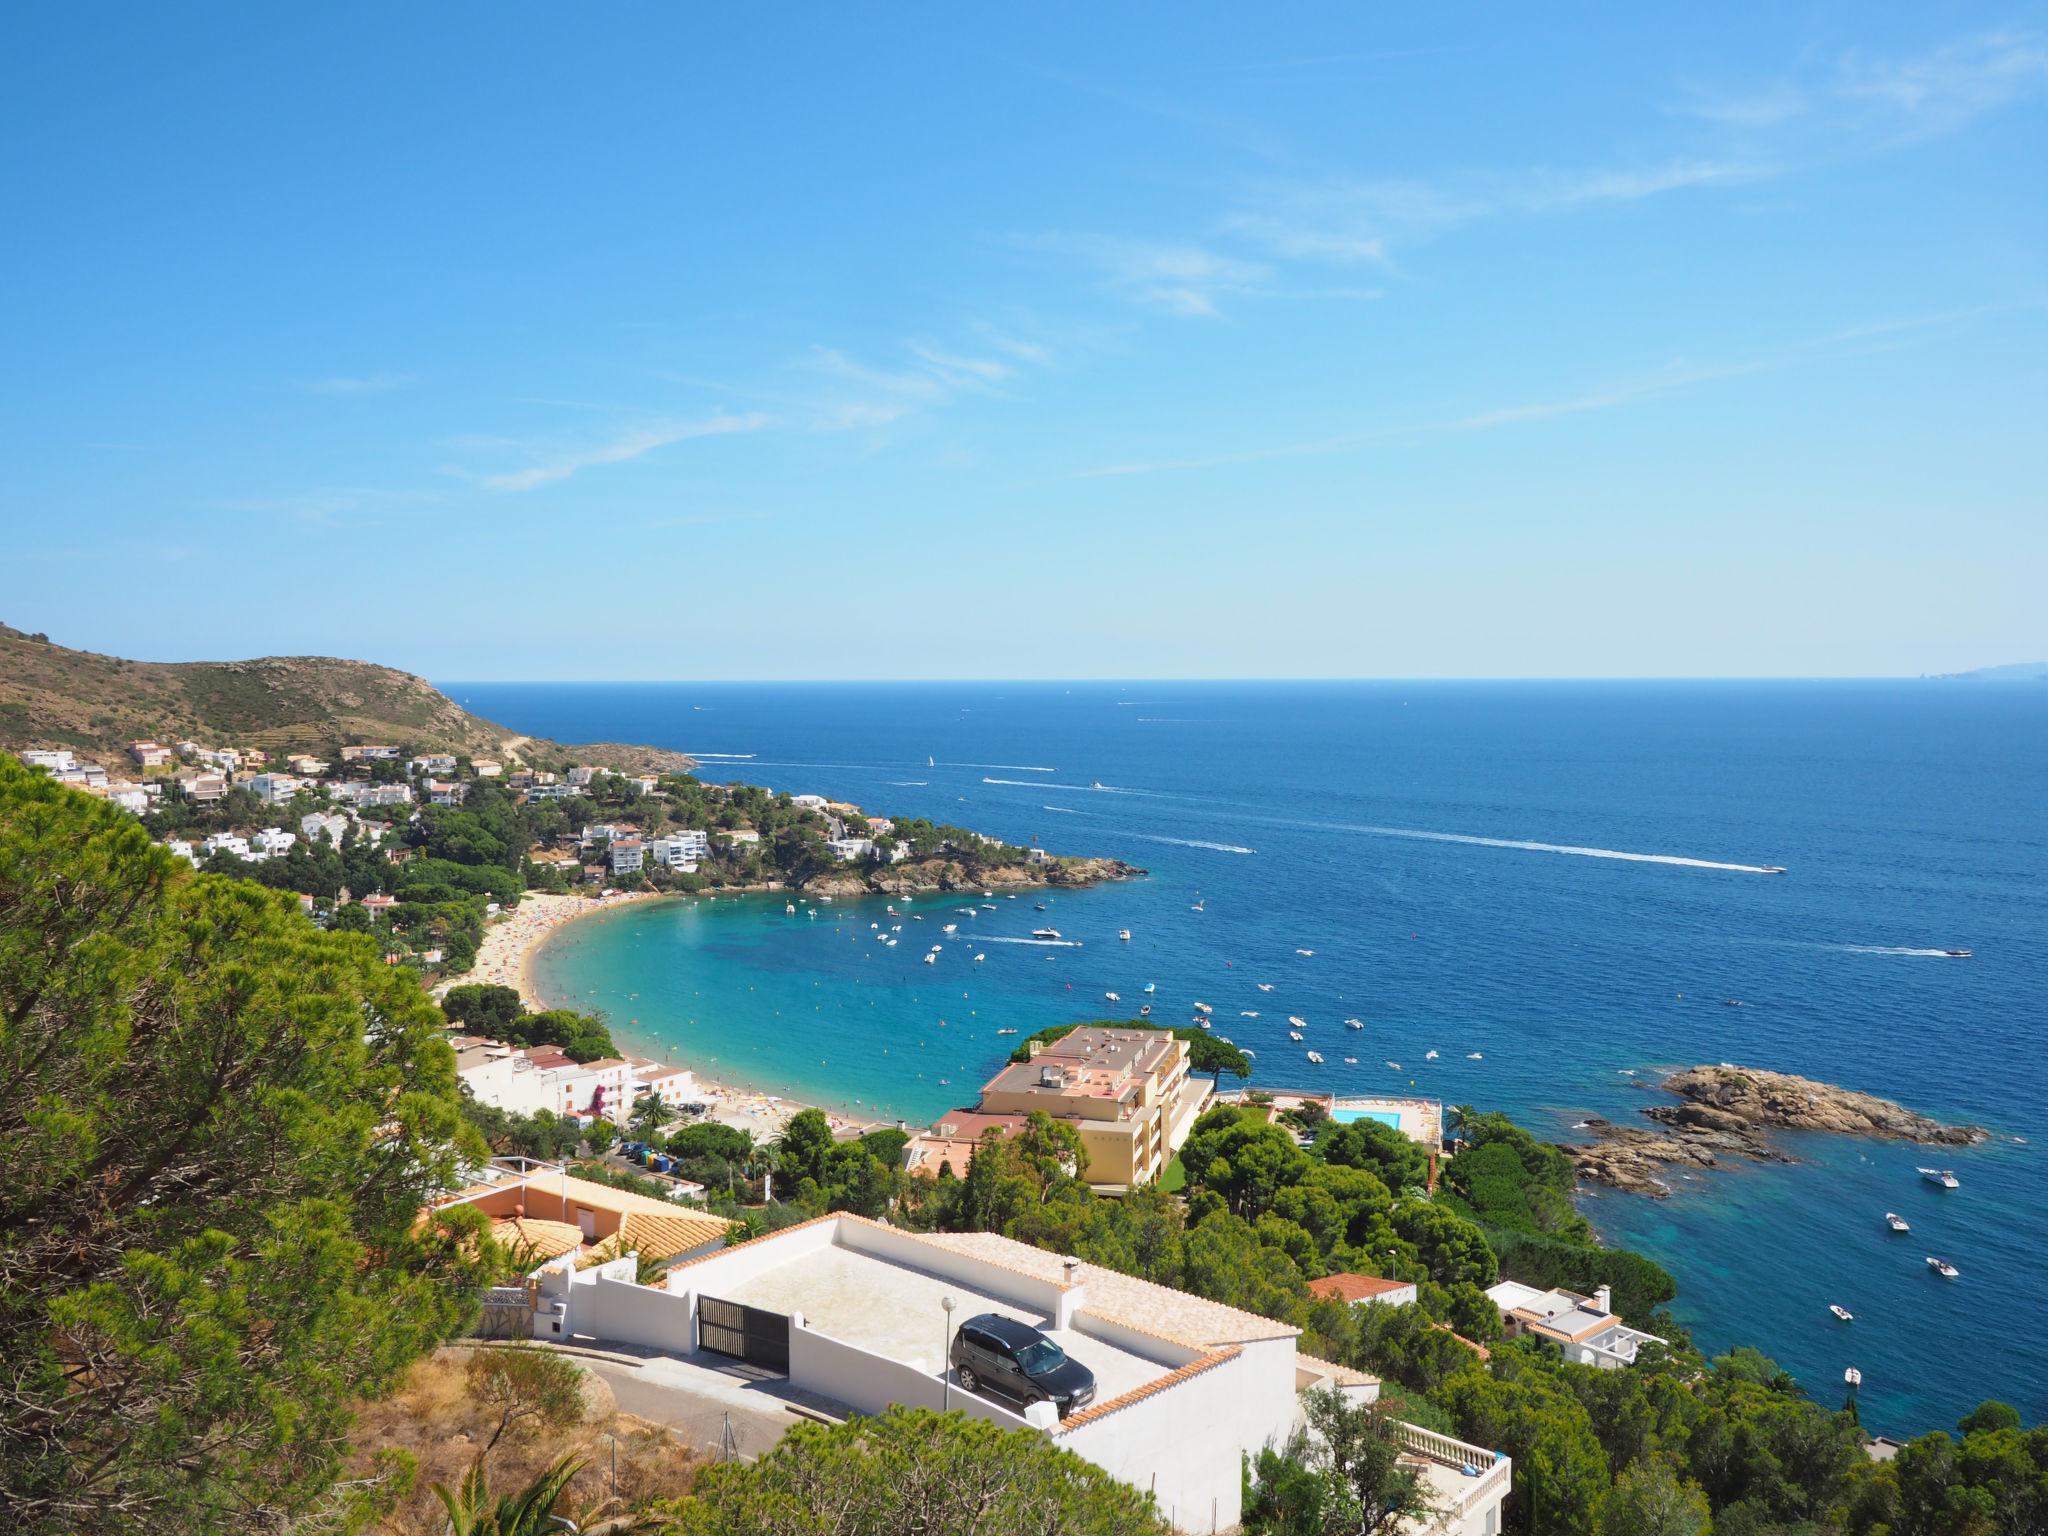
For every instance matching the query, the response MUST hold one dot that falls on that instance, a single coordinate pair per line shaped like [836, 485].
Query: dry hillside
[51, 696]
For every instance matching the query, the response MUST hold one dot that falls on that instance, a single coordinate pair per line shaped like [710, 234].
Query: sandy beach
[504, 959]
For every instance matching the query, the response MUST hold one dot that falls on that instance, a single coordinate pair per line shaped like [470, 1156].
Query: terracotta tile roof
[1351, 1286]
[625, 1201]
[544, 1240]
[1478, 1349]
[665, 1235]
[1170, 1379]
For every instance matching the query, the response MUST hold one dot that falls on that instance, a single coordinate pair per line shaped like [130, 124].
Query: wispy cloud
[1180, 279]
[1949, 86]
[926, 375]
[363, 384]
[326, 506]
[1667, 380]
[632, 443]
[1763, 107]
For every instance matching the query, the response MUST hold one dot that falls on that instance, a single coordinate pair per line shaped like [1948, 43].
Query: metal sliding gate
[745, 1333]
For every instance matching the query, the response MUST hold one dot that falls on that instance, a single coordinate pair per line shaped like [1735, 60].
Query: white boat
[1124, 934]
[1853, 1376]
[1248, 1051]
[937, 947]
[1111, 997]
[1247, 1013]
[789, 907]
[1942, 1267]
[1393, 1066]
[950, 928]
[1045, 933]
[1148, 987]
[1350, 1061]
[1304, 951]
[979, 958]
[1144, 1010]
[1202, 1008]
[1298, 1023]
[1205, 1024]
[1940, 1176]
[931, 959]
[1474, 1056]
[1265, 986]
[1429, 1055]
[1316, 1057]
[1896, 1222]
[1354, 1023]
[1294, 1034]
[1842, 1312]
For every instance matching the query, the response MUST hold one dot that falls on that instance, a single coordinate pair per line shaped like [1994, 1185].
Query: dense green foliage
[1340, 1475]
[220, 1125]
[911, 1470]
[497, 1013]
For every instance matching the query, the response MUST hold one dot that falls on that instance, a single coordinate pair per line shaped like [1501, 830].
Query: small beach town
[1075, 771]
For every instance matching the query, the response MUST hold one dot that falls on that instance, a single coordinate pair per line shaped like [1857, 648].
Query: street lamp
[945, 1358]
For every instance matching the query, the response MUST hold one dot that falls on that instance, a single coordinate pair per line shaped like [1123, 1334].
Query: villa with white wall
[857, 1312]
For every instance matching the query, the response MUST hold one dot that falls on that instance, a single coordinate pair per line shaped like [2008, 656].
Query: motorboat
[1124, 934]
[1350, 1061]
[1774, 869]
[1304, 952]
[1111, 997]
[1097, 784]
[1393, 1066]
[979, 958]
[931, 959]
[1853, 1376]
[1957, 954]
[1429, 1055]
[950, 928]
[1045, 933]
[1295, 1034]
[1474, 1056]
[1247, 1013]
[1199, 906]
[1148, 987]
[1316, 1057]
[1354, 1023]
[1205, 1023]
[1038, 906]
[1006, 1031]
[1298, 1023]
[1144, 1010]
[1940, 1176]
[1896, 1222]
[1203, 1008]
[1942, 1267]
[1842, 1313]
[789, 907]
[1265, 986]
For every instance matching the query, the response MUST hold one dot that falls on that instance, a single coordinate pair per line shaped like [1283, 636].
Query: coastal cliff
[1728, 1111]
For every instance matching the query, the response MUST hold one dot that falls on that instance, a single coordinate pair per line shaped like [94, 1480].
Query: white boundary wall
[873, 1383]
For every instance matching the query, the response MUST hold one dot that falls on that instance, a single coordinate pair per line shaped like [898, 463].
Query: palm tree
[471, 1512]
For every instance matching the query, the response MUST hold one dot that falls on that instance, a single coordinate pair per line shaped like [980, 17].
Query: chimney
[1073, 1269]
[1602, 1299]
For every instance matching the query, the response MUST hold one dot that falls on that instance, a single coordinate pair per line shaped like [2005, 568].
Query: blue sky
[663, 342]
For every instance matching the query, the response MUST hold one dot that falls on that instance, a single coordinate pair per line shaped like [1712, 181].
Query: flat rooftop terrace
[892, 1310]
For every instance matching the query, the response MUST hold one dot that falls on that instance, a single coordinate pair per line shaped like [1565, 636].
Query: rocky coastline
[1729, 1111]
[925, 876]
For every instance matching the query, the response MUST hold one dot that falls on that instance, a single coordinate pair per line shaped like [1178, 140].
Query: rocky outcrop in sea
[1730, 1111]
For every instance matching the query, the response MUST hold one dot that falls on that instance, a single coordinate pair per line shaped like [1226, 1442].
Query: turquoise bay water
[1448, 854]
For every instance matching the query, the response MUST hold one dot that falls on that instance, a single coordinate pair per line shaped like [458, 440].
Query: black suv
[1017, 1361]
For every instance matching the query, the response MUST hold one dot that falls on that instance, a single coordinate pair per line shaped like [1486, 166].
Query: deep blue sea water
[1909, 816]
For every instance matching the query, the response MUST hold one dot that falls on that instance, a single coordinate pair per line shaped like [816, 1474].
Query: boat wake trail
[1005, 767]
[1060, 810]
[723, 757]
[1883, 949]
[908, 783]
[1187, 842]
[1040, 943]
[1584, 853]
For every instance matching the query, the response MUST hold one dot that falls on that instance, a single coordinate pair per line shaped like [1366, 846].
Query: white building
[1583, 1327]
[445, 791]
[182, 849]
[550, 791]
[579, 778]
[130, 797]
[272, 788]
[56, 759]
[369, 795]
[325, 824]
[679, 848]
[227, 842]
[646, 783]
[740, 840]
[432, 762]
[274, 841]
[149, 754]
[859, 1313]
[627, 855]
[809, 802]
[848, 849]
[485, 768]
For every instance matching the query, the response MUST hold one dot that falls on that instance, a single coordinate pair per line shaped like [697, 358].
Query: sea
[1535, 896]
